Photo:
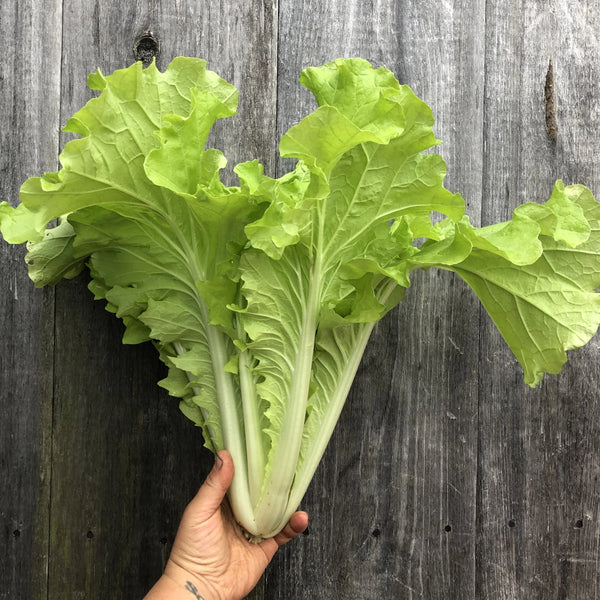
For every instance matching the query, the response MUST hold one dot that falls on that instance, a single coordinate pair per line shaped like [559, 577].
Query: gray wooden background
[447, 478]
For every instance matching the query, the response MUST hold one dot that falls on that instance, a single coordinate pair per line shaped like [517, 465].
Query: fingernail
[218, 462]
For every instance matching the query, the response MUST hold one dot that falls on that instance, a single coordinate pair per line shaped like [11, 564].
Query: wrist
[173, 585]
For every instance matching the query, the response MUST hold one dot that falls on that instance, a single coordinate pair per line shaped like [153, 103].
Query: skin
[211, 558]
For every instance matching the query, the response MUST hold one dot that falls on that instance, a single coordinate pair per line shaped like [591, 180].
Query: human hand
[211, 558]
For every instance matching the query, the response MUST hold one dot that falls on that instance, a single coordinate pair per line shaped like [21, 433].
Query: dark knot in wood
[146, 48]
[551, 125]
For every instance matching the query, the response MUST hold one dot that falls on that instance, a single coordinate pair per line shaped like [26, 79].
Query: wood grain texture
[446, 478]
[539, 449]
[124, 464]
[29, 97]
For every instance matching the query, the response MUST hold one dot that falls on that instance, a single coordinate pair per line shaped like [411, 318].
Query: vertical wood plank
[393, 502]
[538, 490]
[29, 96]
[125, 461]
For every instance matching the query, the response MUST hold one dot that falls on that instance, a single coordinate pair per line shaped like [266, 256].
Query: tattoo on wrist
[192, 589]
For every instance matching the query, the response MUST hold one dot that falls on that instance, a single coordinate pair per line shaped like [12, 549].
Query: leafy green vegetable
[260, 298]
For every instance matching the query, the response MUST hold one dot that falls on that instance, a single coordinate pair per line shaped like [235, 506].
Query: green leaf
[148, 214]
[118, 129]
[287, 214]
[561, 217]
[549, 305]
[371, 99]
[180, 163]
[53, 258]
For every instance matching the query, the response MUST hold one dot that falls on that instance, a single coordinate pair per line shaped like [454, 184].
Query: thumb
[210, 495]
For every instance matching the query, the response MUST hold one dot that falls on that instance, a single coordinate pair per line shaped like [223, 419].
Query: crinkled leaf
[550, 305]
[151, 238]
[181, 163]
[53, 258]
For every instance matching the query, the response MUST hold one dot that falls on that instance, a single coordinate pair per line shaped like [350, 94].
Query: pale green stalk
[255, 451]
[271, 510]
[233, 435]
[231, 425]
[318, 444]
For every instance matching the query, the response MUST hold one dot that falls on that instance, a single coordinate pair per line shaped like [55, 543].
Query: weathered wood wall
[447, 478]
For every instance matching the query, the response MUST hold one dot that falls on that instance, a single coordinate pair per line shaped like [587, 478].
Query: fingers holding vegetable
[211, 553]
[212, 492]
